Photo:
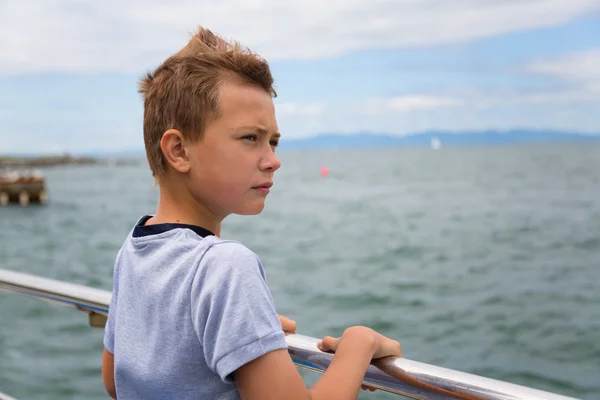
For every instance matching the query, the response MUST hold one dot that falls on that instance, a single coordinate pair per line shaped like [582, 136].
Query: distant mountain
[371, 140]
[381, 140]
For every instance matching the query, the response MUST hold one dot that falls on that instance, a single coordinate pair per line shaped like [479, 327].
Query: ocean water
[480, 259]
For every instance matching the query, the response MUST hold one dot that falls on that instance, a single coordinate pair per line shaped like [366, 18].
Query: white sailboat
[435, 143]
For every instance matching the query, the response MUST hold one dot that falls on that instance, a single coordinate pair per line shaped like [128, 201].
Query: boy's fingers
[287, 325]
[328, 343]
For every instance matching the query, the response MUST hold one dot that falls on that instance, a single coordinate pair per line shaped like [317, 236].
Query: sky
[69, 68]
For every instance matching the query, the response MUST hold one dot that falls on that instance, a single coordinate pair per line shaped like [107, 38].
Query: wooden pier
[22, 188]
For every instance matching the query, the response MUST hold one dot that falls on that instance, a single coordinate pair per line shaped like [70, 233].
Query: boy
[191, 315]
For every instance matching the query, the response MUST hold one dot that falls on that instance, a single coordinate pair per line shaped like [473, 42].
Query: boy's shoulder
[230, 257]
[227, 249]
[210, 251]
[192, 253]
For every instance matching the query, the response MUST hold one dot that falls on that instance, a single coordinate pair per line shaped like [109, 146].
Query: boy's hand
[287, 325]
[330, 344]
[383, 346]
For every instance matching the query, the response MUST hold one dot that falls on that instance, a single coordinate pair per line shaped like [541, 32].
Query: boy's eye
[254, 138]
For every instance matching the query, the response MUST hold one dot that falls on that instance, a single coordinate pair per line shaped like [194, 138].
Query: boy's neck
[184, 209]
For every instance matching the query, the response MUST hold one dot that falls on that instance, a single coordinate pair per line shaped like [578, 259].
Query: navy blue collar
[146, 230]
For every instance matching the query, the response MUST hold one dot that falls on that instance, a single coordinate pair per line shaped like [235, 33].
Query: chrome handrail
[395, 375]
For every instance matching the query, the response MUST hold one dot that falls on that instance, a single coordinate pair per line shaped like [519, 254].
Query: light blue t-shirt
[187, 310]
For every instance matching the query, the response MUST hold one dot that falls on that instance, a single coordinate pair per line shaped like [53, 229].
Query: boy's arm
[108, 373]
[274, 375]
[234, 317]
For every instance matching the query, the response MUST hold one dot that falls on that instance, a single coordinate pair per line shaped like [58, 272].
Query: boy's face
[234, 162]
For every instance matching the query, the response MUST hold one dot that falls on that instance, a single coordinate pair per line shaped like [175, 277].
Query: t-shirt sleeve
[233, 312]
[109, 328]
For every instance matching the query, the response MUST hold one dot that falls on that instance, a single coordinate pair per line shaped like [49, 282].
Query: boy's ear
[173, 149]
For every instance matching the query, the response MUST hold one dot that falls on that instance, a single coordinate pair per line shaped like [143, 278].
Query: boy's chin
[251, 209]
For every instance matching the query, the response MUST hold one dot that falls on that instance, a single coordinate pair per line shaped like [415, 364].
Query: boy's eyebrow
[261, 129]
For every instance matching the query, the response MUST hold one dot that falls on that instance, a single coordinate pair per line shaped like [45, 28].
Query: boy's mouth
[264, 187]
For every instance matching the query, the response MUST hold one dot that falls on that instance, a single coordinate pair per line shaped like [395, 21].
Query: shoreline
[45, 161]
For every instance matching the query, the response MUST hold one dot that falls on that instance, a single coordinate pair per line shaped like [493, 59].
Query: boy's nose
[270, 162]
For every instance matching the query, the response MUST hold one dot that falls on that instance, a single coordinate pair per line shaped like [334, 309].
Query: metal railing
[395, 375]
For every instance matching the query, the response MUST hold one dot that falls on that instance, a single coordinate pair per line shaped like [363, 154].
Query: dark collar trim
[141, 230]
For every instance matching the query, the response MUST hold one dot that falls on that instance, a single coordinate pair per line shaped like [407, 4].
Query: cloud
[407, 104]
[568, 105]
[293, 109]
[579, 72]
[583, 94]
[110, 35]
[569, 96]
[580, 66]
[301, 120]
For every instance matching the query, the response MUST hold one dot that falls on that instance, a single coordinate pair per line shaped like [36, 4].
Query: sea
[480, 259]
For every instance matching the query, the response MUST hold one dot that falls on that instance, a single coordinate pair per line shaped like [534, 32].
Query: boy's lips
[264, 187]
